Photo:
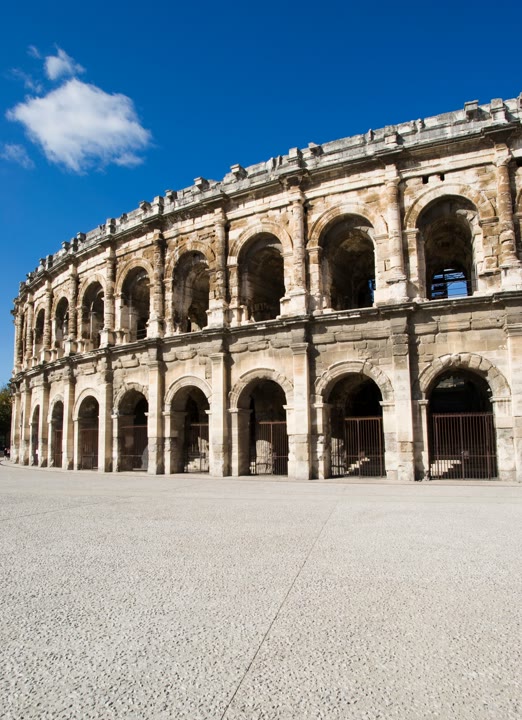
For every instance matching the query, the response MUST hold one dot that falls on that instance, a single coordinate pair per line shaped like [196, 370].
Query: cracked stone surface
[188, 597]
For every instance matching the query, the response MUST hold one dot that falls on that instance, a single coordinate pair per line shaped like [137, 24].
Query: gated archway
[189, 414]
[265, 431]
[356, 430]
[461, 428]
[132, 431]
[88, 419]
[57, 434]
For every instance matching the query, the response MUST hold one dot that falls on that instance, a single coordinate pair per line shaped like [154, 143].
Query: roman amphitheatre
[351, 309]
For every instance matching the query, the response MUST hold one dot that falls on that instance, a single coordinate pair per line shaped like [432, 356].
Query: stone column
[318, 301]
[395, 275]
[43, 426]
[177, 440]
[107, 334]
[295, 301]
[25, 423]
[29, 319]
[422, 440]
[105, 418]
[167, 442]
[45, 352]
[68, 409]
[76, 432]
[240, 461]
[169, 320]
[508, 420]
[217, 310]
[156, 325]
[19, 343]
[322, 442]
[16, 426]
[218, 418]
[399, 414]
[115, 441]
[71, 343]
[237, 312]
[299, 423]
[155, 418]
[509, 263]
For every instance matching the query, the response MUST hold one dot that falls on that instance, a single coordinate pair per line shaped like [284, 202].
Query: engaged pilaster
[509, 263]
[394, 264]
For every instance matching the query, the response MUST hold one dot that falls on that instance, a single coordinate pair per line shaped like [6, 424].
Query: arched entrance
[88, 415]
[132, 432]
[447, 240]
[92, 315]
[191, 289]
[190, 431]
[57, 434]
[461, 428]
[135, 305]
[267, 436]
[262, 277]
[35, 444]
[348, 265]
[357, 437]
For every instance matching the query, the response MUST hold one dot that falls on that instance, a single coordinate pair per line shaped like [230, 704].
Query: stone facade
[374, 279]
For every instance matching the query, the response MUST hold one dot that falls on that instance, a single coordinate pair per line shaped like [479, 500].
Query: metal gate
[359, 452]
[57, 448]
[462, 446]
[88, 448]
[133, 445]
[269, 455]
[196, 448]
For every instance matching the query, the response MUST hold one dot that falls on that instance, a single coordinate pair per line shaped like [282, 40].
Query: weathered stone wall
[326, 264]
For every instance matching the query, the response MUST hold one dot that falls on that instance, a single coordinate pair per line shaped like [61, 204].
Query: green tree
[5, 416]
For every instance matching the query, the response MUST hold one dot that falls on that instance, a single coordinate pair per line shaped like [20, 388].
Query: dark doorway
[461, 428]
[357, 438]
[133, 433]
[88, 434]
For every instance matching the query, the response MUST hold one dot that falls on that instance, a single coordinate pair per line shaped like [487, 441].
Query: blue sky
[106, 104]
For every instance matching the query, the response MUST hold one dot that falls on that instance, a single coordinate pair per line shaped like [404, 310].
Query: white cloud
[61, 65]
[33, 52]
[80, 126]
[17, 154]
[29, 82]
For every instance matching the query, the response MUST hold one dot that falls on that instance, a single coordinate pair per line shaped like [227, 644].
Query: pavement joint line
[278, 611]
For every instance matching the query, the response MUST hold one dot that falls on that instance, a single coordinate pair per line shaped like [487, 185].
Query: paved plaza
[145, 597]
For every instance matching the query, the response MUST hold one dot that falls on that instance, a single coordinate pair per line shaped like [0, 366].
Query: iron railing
[196, 448]
[269, 454]
[357, 448]
[462, 446]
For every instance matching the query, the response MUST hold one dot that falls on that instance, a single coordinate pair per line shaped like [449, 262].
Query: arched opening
[191, 288]
[461, 427]
[88, 419]
[135, 306]
[57, 434]
[189, 417]
[357, 437]
[133, 439]
[262, 278]
[35, 437]
[39, 327]
[61, 322]
[267, 435]
[446, 236]
[92, 315]
[349, 264]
